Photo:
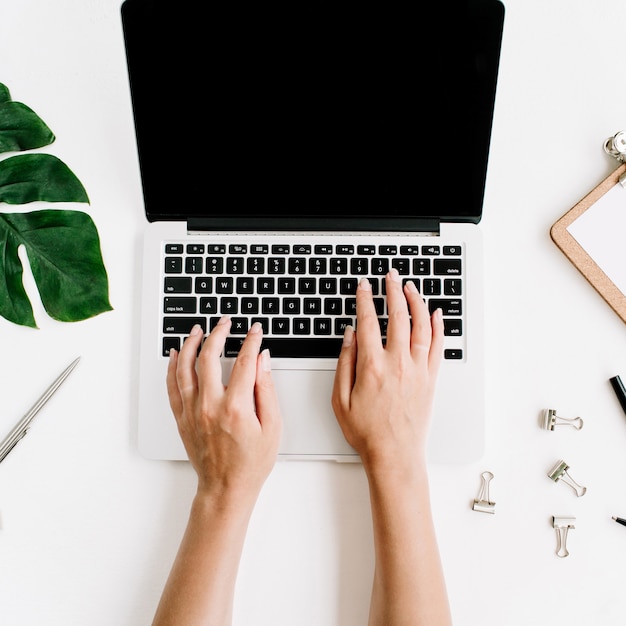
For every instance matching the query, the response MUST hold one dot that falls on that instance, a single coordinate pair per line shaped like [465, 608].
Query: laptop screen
[313, 110]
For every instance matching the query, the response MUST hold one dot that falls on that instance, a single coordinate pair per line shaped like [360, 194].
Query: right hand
[383, 395]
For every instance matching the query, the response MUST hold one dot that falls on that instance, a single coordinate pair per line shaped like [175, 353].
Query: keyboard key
[170, 343]
[249, 306]
[338, 266]
[224, 285]
[195, 248]
[453, 354]
[255, 265]
[286, 285]
[229, 306]
[245, 285]
[182, 325]
[323, 249]
[177, 284]
[173, 265]
[214, 265]
[431, 287]
[302, 326]
[179, 305]
[452, 327]
[421, 266]
[452, 287]
[280, 326]
[239, 325]
[208, 306]
[328, 286]
[447, 267]
[307, 285]
[450, 306]
[322, 326]
[359, 266]
[234, 265]
[291, 347]
[203, 285]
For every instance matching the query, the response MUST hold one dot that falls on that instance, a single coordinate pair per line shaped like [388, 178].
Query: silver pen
[22, 427]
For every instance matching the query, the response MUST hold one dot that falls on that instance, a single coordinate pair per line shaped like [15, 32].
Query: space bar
[291, 347]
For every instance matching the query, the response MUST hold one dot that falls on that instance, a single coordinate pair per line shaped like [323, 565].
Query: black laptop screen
[312, 110]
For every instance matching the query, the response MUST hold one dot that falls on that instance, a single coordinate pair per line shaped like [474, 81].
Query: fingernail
[196, 330]
[266, 362]
[256, 327]
[223, 320]
[365, 284]
[348, 336]
[394, 275]
[410, 285]
[438, 315]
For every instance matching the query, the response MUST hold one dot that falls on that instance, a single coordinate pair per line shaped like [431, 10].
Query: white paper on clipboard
[601, 232]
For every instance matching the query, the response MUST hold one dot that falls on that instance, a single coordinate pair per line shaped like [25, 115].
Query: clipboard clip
[615, 146]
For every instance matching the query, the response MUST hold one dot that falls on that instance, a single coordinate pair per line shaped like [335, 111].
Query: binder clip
[616, 146]
[482, 503]
[559, 472]
[550, 419]
[562, 525]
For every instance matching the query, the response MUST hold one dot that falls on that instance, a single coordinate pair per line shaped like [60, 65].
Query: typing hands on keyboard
[303, 295]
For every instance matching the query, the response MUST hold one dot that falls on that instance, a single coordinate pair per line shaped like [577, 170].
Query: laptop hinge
[303, 224]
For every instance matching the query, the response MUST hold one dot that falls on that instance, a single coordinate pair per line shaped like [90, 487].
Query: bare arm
[231, 436]
[383, 400]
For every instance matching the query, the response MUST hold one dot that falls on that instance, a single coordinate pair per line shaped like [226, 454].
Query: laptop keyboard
[302, 294]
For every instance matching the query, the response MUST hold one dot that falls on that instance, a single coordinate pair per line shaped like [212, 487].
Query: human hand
[231, 434]
[383, 395]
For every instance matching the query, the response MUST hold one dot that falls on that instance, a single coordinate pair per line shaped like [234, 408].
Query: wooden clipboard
[578, 256]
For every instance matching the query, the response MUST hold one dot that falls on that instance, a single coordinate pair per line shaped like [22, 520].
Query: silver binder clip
[616, 146]
[559, 472]
[482, 503]
[562, 525]
[550, 419]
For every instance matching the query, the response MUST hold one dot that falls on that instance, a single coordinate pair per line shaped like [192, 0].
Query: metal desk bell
[559, 472]
[550, 419]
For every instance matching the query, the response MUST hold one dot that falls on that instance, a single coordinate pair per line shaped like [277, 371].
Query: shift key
[182, 325]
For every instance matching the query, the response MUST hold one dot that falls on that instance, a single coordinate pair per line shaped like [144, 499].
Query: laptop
[287, 151]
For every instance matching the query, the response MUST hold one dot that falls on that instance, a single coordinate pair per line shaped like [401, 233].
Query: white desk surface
[88, 528]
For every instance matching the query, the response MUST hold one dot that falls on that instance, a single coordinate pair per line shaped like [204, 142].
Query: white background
[88, 529]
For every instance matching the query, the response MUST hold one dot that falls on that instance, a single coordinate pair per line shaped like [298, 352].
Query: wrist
[229, 500]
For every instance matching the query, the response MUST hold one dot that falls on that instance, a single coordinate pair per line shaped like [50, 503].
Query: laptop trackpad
[309, 424]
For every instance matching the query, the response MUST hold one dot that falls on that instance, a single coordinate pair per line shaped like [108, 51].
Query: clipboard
[578, 234]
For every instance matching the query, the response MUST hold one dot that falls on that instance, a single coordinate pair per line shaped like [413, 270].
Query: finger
[399, 326]
[243, 376]
[367, 325]
[186, 377]
[421, 333]
[345, 373]
[267, 408]
[173, 393]
[436, 344]
[209, 363]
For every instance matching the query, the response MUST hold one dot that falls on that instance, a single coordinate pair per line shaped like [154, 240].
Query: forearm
[200, 587]
[409, 586]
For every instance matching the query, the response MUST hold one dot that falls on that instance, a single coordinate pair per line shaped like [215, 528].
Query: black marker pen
[620, 390]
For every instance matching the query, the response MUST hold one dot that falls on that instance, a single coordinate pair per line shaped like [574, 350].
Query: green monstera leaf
[63, 250]
[62, 246]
